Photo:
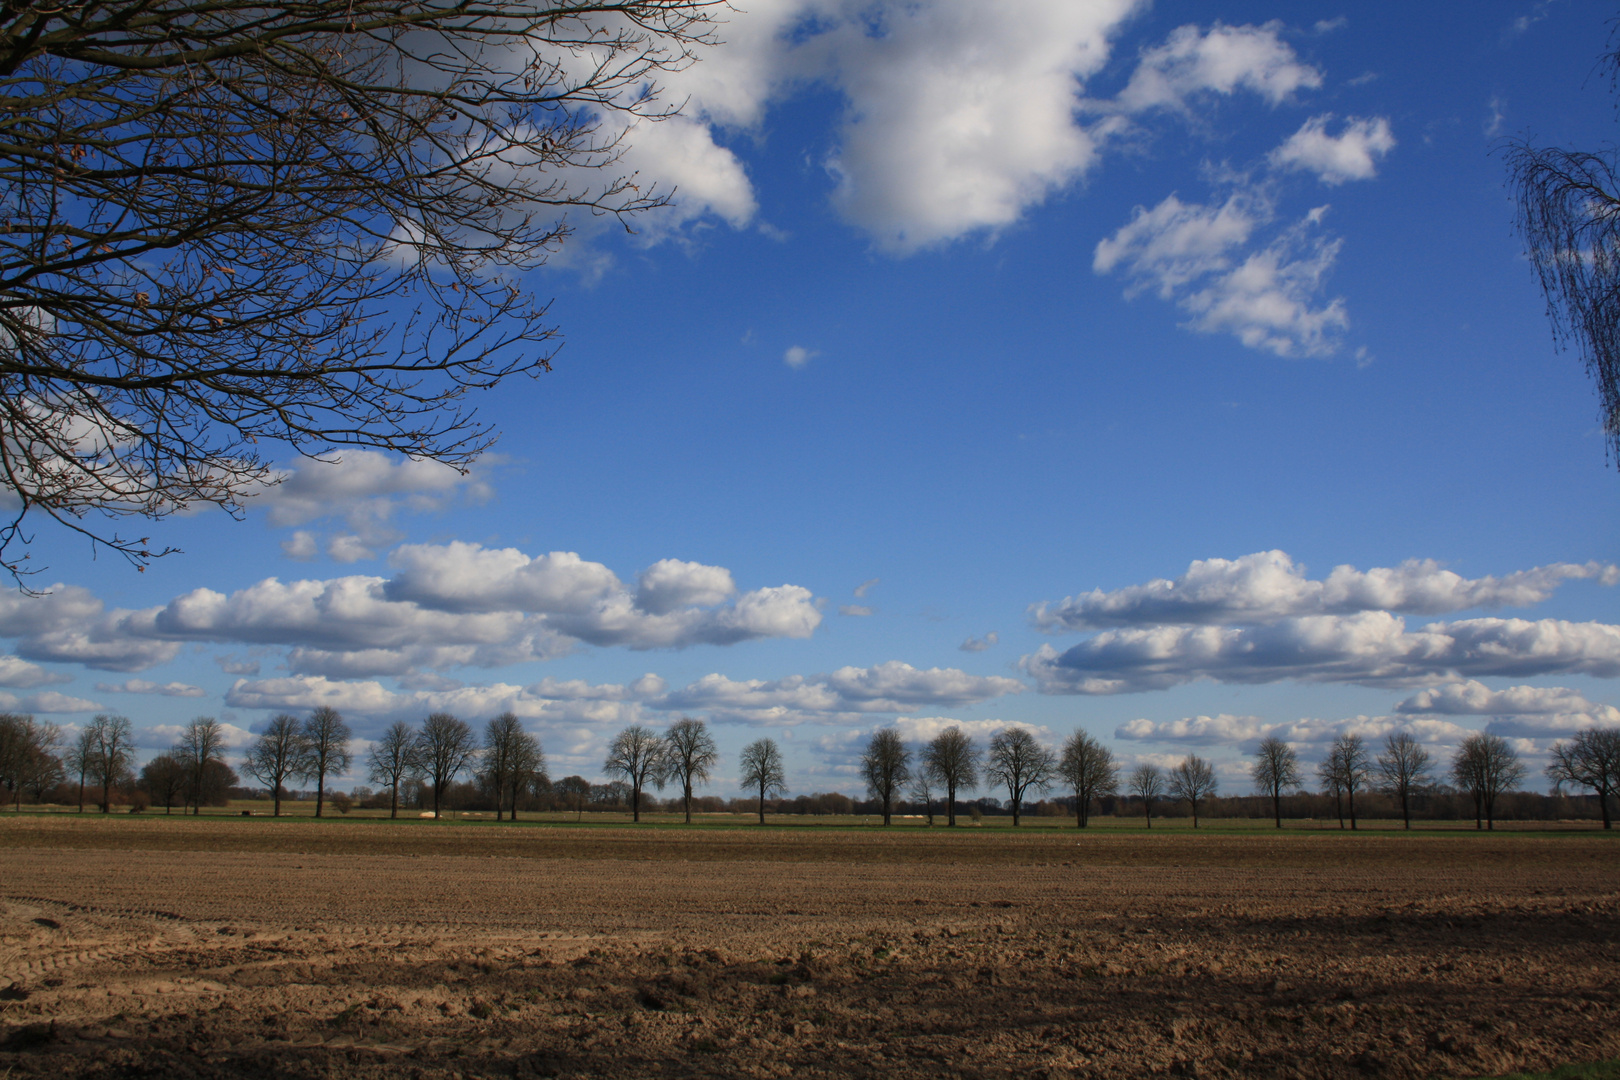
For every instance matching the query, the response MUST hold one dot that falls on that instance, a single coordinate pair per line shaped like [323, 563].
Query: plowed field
[330, 949]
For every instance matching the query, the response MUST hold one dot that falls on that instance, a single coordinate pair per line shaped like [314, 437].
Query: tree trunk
[1338, 804]
[635, 804]
[106, 798]
[1148, 811]
[1352, 809]
[1015, 802]
[320, 792]
[1195, 815]
[393, 801]
[1406, 811]
[886, 810]
[950, 806]
[81, 793]
[762, 801]
[686, 792]
[1276, 805]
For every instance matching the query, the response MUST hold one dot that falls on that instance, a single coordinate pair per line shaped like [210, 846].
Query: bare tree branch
[227, 226]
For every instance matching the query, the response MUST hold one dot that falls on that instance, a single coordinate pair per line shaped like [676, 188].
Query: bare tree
[217, 211]
[886, 765]
[394, 759]
[444, 747]
[1089, 768]
[1569, 216]
[80, 758]
[164, 779]
[1018, 762]
[28, 754]
[1346, 770]
[762, 770]
[112, 749]
[503, 737]
[922, 791]
[1590, 760]
[637, 754]
[1275, 770]
[326, 742]
[575, 792]
[1485, 767]
[689, 756]
[951, 759]
[528, 769]
[200, 743]
[41, 767]
[1403, 769]
[1147, 784]
[1194, 781]
[278, 755]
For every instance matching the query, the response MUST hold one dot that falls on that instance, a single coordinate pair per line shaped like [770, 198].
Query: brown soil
[192, 949]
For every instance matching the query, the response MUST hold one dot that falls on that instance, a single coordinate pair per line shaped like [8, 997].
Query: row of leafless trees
[1485, 767]
[686, 754]
[509, 763]
[508, 760]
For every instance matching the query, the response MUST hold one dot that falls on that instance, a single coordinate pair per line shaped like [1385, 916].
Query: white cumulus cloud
[1269, 585]
[1195, 254]
[850, 693]
[1353, 154]
[23, 675]
[1220, 60]
[1372, 648]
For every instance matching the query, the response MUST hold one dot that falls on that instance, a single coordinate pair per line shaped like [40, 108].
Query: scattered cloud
[1523, 711]
[866, 586]
[142, 686]
[1268, 585]
[848, 694]
[797, 356]
[1472, 698]
[1268, 298]
[1371, 648]
[23, 675]
[348, 548]
[364, 489]
[46, 701]
[69, 624]
[1353, 154]
[974, 644]
[445, 606]
[1222, 60]
[233, 665]
[1497, 117]
[857, 610]
[301, 545]
[1308, 735]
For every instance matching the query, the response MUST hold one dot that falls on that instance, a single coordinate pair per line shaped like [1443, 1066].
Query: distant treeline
[445, 765]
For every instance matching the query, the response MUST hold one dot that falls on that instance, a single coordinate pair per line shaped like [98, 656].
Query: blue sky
[963, 309]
